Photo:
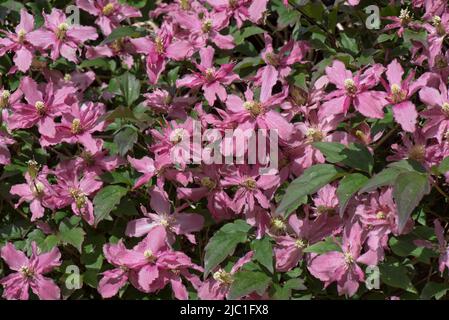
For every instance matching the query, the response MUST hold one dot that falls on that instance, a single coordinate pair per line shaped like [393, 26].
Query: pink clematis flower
[343, 267]
[145, 166]
[78, 124]
[207, 28]
[279, 64]
[73, 191]
[109, 13]
[163, 101]
[63, 38]
[122, 48]
[239, 9]
[18, 42]
[400, 92]
[211, 80]
[5, 140]
[178, 223]
[44, 103]
[442, 247]
[217, 287]
[303, 232]
[437, 124]
[96, 159]
[30, 273]
[252, 188]
[37, 191]
[355, 90]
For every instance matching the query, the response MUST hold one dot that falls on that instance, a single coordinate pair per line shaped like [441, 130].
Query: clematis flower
[442, 247]
[77, 125]
[163, 101]
[211, 80]
[401, 22]
[96, 159]
[205, 29]
[239, 9]
[400, 92]
[278, 65]
[74, 191]
[302, 233]
[437, 116]
[29, 273]
[18, 42]
[37, 191]
[109, 13]
[217, 287]
[145, 166]
[252, 187]
[438, 29]
[44, 103]
[122, 48]
[63, 38]
[355, 90]
[343, 267]
[175, 223]
[5, 155]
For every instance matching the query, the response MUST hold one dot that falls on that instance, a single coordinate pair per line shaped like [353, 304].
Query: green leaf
[263, 252]
[321, 247]
[331, 150]
[349, 43]
[223, 243]
[309, 182]
[71, 235]
[444, 166]
[121, 32]
[408, 190]
[348, 186]
[384, 178]
[241, 35]
[98, 63]
[129, 87]
[125, 140]
[395, 275]
[434, 290]
[246, 282]
[106, 200]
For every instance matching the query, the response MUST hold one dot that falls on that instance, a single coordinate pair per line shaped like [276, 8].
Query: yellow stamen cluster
[38, 188]
[62, 30]
[299, 243]
[405, 16]
[21, 35]
[76, 126]
[185, 5]
[272, 59]
[254, 107]
[445, 108]
[349, 259]
[314, 135]
[210, 74]
[208, 183]
[223, 277]
[149, 255]
[79, 197]
[207, 25]
[381, 215]
[250, 184]
[350, 86]
[40, 107]
[278, 224]
[26, 271]
[4, 99]
[417, 152]
[159, 44]
[177, 135]
[108, 9]
[397, 94]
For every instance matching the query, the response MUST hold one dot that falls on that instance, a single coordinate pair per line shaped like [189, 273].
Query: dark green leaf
[348, 186]
[246, 282]
[106, 200]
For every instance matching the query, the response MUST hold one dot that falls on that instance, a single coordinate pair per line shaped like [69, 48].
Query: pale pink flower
[30, 273]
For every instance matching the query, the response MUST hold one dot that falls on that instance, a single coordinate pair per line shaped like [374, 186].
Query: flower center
[350, 86]
[208, 183]
[207, 25]
[38, 188]
[254, 107]
[185, 4]
[149, 255]
[26, 271]
[405, 16]
[417, 152]
[76, 126]
[436, 21]
[278, 224]
[223, 277]
[445, 108]
[4, 99]
[250, 184]
[397, 94]
[232, 3]
[349, 259]
[21, 35]
[40, 107]
[300, 243]
[79, 197]
[177, 135]
[272, 59]
[108, 9]
[314, 134]
[381, 215]
[159, 45]
[210, 74]
[67, 77]
[117, 45]
[62, 29]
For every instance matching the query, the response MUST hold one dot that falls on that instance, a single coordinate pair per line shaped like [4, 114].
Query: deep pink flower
[30, 273]
[442, 247]
[109, 13]
[18, 42]
[437, 124]
[211, 80]
[63, 38]
[355, 90]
